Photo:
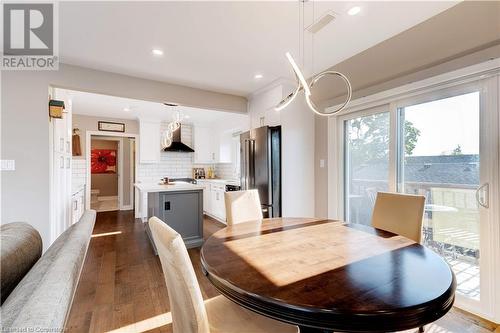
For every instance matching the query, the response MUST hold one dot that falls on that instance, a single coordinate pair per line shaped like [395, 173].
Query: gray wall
[25, 137]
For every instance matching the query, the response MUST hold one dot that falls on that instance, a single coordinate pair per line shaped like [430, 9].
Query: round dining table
[329, 276]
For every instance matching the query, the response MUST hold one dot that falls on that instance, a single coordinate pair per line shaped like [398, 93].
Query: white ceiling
[220, 46]
[97, 105]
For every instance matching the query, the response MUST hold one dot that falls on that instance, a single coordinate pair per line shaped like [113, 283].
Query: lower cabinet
[182, 211]
[77, 205]
[213, 199]
[217, 202]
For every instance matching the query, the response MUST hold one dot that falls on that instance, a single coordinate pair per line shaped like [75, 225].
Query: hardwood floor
[122, 288]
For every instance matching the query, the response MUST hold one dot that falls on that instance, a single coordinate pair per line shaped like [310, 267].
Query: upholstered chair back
[186, 302]
[400, 214]
[242, 206]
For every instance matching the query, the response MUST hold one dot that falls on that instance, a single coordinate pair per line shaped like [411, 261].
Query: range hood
[177, 144]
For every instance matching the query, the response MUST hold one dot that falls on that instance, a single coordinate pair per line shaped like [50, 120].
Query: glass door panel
[366, 152]
[439, 157]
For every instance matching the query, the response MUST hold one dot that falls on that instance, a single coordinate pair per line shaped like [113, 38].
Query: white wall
[297, 141]
[25, 192]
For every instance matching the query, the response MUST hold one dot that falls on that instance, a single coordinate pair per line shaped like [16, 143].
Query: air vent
[322, 22]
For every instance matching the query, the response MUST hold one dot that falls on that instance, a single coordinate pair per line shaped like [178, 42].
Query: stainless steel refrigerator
[260, 151]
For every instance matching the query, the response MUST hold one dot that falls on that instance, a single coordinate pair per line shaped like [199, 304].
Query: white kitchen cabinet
[212, 146]
[213, 199]
[223, 149]
[78, 205]
[206, 196]
[149, 141]
[204, 152]
[218, 207]
[61, 213]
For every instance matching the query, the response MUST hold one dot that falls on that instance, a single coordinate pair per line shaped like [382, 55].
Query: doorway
[111, 172]
[105, 161]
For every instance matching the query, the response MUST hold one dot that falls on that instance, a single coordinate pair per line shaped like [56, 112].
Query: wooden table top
[329, 275]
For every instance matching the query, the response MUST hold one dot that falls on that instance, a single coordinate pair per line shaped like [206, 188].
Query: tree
[457, 151]
[411, 137]
[369, 138]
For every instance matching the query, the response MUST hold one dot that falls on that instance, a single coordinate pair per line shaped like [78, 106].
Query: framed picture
[103, 161]
[110, 126]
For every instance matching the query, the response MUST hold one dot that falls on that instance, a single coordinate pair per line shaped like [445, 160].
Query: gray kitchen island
[180, 206]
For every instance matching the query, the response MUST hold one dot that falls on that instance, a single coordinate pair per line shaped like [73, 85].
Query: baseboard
[215, 218]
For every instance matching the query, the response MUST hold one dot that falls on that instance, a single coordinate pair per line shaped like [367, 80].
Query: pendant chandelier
[302, 82]
[174, 125]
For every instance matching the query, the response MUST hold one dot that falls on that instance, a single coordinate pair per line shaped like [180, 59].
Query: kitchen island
[179, 205]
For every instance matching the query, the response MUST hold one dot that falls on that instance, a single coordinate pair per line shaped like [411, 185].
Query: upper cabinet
[212, 146]
[204, 152]
[224, 148]
[149, 141]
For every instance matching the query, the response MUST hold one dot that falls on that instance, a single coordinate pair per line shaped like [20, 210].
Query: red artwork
[103, 161]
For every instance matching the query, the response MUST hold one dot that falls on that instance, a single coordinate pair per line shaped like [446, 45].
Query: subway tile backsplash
[172, 164]
[227, 171]
[78, 171]
[179, 165]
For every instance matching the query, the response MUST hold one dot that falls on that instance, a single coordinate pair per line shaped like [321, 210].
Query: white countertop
[152, 187]
[221, 181]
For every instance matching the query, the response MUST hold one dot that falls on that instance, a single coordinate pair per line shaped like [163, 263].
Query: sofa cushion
[42, 300]
[20, 249]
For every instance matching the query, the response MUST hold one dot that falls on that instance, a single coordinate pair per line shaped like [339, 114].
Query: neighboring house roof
[445, 169]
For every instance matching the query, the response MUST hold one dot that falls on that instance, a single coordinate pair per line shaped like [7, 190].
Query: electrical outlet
[8, 165]
[321, 163]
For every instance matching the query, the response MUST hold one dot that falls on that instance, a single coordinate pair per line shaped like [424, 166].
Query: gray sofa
[42, 299]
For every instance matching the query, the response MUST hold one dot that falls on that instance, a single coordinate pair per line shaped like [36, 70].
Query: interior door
[445, 146]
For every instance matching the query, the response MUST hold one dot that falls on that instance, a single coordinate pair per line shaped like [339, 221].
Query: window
[366, 164]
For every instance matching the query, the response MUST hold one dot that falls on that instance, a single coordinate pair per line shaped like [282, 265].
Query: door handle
[481, 198]
[247, 165]
[250, 166]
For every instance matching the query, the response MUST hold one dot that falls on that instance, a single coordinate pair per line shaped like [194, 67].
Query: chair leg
[421, 329]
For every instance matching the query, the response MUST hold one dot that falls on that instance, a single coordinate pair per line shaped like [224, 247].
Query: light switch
[321, 163]
[8, 165]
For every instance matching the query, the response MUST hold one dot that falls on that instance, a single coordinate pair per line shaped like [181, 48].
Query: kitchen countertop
[221, 181]
[152, 187]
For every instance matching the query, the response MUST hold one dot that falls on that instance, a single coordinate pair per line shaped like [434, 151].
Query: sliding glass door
[366, 163]
[442, 145]
[440, 158]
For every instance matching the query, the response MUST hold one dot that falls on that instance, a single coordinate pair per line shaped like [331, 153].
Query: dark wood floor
[122, 288]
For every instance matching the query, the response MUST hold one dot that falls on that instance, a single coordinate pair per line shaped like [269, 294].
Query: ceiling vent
[322, 22]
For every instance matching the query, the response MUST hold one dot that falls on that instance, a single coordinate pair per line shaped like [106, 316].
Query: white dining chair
[242, 206]
[190, 314]
[400, 214]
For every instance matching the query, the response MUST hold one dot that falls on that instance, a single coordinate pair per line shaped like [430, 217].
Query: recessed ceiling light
[126, 109]
[258, 76]
[354, 10]
[157, 52]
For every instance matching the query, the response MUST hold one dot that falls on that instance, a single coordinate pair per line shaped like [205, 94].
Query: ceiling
[221, 46]
[97, 105]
